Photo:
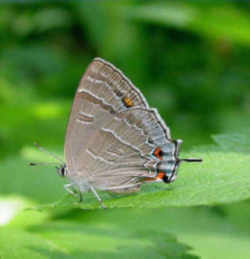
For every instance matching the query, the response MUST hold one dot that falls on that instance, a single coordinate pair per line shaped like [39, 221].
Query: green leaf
[69, 239]
[132, 233]
[19, 212]
[201, 228]
[222, 177]
[37, 183]
[21, 244]
[234, 142]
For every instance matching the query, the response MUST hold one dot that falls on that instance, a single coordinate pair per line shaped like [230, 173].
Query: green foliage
[133, 233]
[69, 239]
[191, 60]
[213, 22]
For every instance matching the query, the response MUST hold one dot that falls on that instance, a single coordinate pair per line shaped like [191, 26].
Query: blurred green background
[190, 59]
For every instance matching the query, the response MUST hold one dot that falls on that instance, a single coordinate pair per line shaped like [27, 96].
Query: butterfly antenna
[43, 164]
[191, 160]
[49, 153]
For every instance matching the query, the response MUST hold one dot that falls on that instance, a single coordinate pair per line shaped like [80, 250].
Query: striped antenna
[191, 160]
[43, 164]
[49, 153]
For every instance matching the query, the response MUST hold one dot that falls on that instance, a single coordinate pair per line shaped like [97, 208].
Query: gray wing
[111, 132]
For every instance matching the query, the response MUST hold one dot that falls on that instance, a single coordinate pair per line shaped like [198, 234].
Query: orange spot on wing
[160, 175]
[128, 102]
[158, 153]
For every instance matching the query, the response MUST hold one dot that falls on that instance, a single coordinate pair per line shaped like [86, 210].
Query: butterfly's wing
[111, 133]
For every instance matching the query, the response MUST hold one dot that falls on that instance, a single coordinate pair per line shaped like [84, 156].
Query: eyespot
[158, 153]
[166, 179]
[160, 175]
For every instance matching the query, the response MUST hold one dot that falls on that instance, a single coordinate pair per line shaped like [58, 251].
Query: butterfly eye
[63, 171]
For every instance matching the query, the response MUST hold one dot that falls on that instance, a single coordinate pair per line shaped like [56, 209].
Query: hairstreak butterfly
[115, 141]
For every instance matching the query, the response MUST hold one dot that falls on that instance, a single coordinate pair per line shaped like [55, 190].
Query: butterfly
[114, 141]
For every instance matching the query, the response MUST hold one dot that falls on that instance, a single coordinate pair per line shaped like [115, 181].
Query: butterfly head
[62, 170]
[170, 161]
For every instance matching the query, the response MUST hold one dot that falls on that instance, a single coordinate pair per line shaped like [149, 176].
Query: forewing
[107, 82]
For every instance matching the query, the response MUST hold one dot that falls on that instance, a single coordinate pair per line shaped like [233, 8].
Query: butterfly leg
[69, 189]
[80, 197]
[97, 197]
[72, 191]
